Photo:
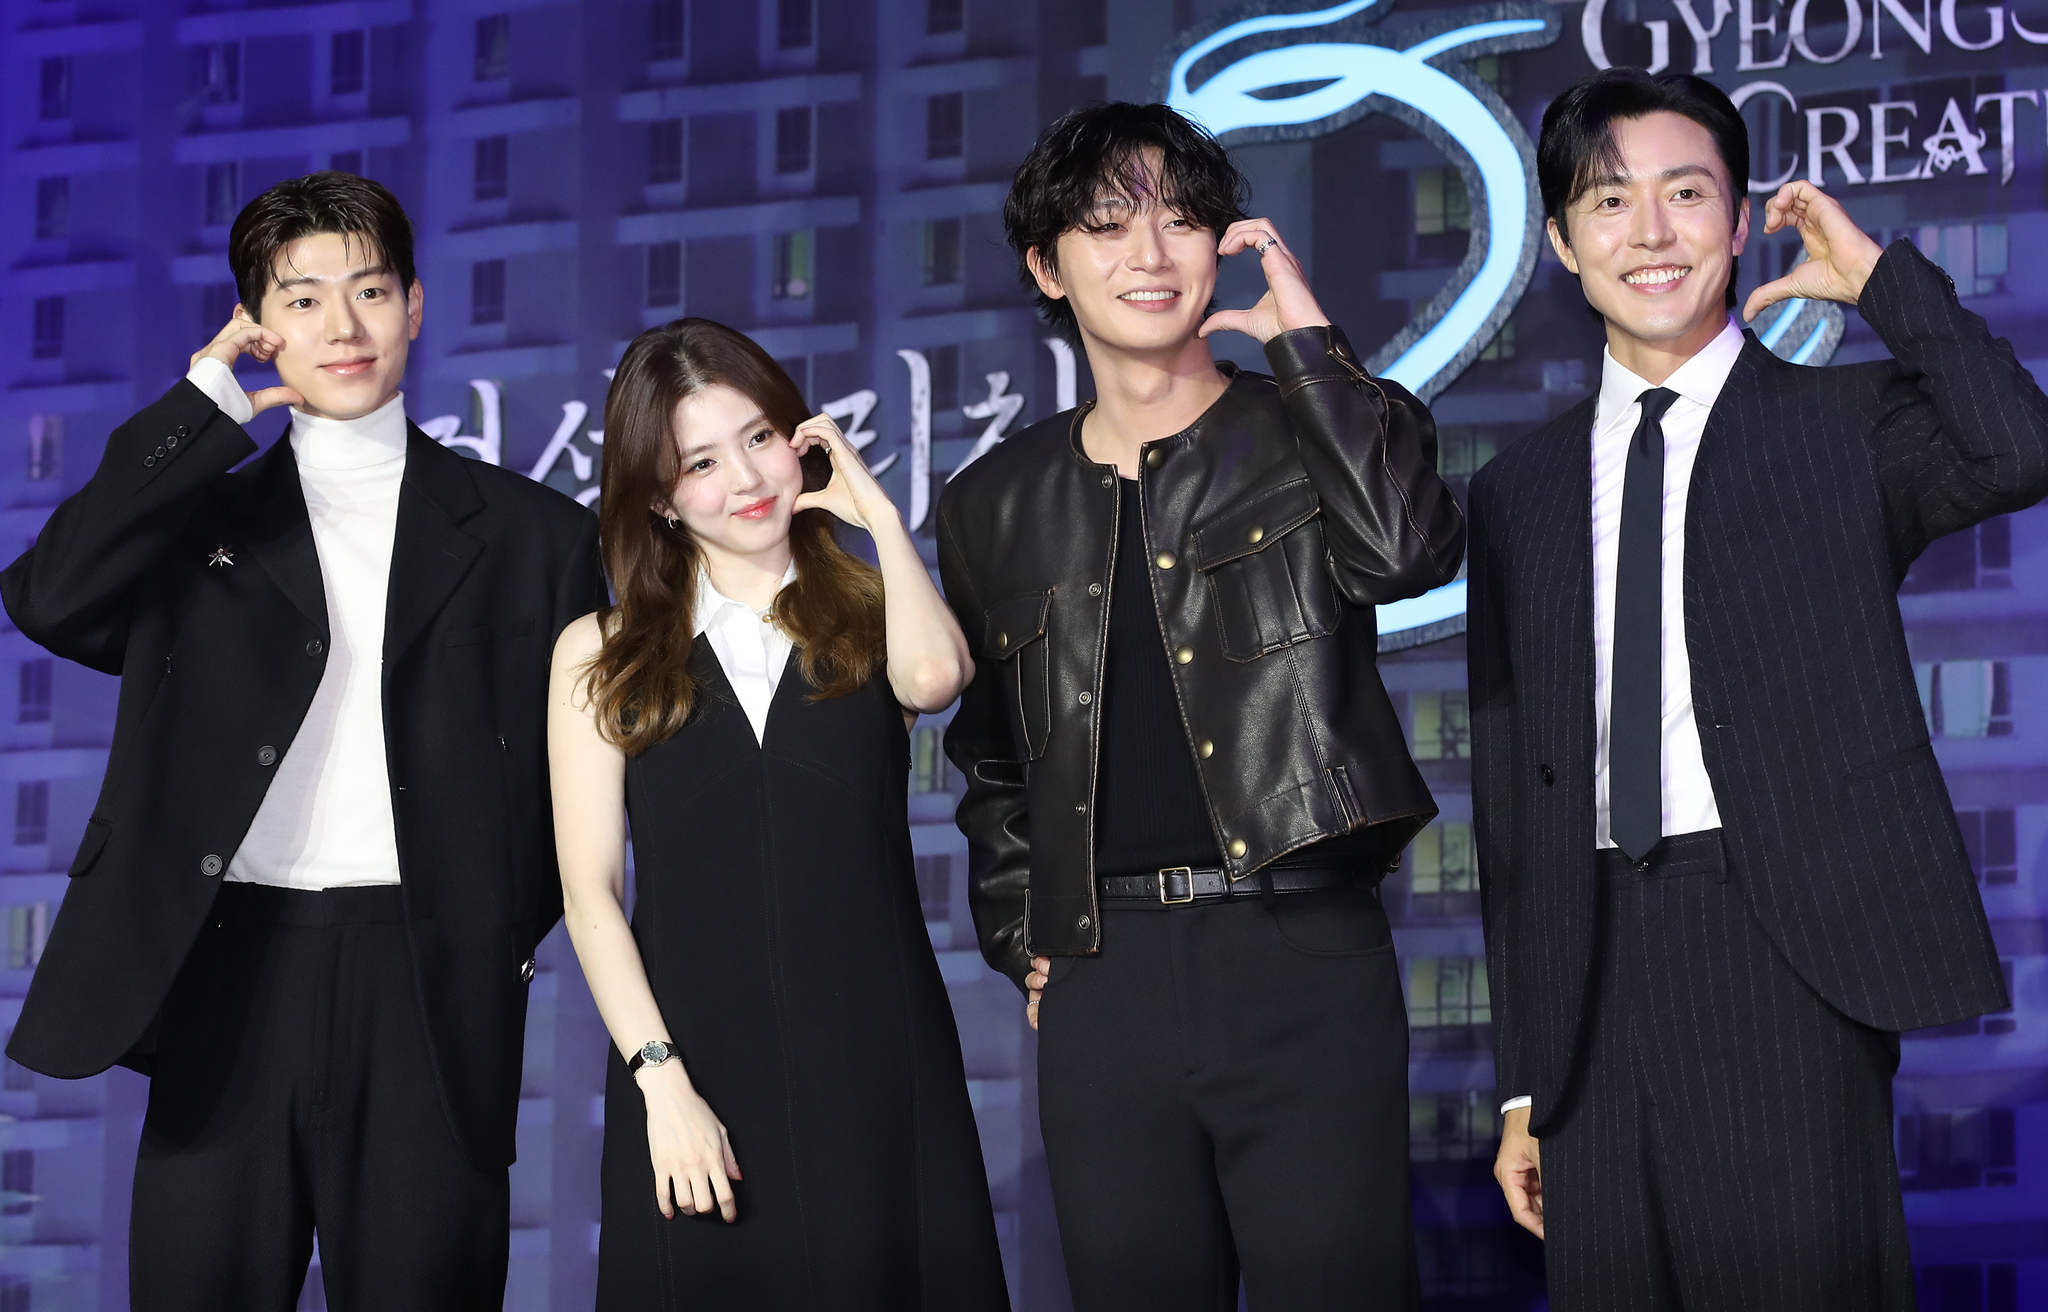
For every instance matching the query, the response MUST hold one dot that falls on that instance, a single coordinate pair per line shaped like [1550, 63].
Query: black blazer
[1813, 492]
[218, 664]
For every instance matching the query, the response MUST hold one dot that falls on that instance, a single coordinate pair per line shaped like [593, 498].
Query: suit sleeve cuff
[218, 382]
[1516, 1104]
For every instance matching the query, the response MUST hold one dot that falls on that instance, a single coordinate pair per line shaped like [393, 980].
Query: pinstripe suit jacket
[1814, 490]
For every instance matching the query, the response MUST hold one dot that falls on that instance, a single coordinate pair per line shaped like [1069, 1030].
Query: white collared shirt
[326, 820]
[751, 647]
[1688, 793]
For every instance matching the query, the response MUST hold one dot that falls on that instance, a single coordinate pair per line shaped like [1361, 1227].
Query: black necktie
[1635, 720]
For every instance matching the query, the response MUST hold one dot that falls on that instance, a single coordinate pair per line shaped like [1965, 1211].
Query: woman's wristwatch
[652, 1053]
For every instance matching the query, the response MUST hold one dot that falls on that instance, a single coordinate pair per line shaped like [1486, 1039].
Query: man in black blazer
[308, 899]
[1719, 865]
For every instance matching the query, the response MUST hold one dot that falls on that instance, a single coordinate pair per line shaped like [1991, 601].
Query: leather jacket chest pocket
[1015, 640]
[1267, 573]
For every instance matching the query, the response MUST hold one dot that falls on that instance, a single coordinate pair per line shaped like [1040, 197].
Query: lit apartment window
[46, 440]
[1440, 202]
[795, 253]
[1443, 871]
[1449, 995]
[945, 372]
[27, 929]
[944, 121]
[793, 140]
[1990, 839]
[493, 47]
[941, 252]
[1974, 254]
[665, 274]
[1462, 449]
[47, 338]
[488, 168]
[665, 30]
[33, 706]
[1966, 699]
[221, 197]
[1439, 726]
[1502, 347]
[487, 291]
[942, 16]
[664, 151]
[53, 98]
[345, 67]
[31, 813]
[935, 887]
[217, 73]
[53, 207]
[795, 24]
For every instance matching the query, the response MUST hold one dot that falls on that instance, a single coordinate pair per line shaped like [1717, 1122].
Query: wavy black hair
[1098, 153]
[1577, 147]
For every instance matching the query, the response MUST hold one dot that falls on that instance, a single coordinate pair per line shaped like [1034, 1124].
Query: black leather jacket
[1275, 523]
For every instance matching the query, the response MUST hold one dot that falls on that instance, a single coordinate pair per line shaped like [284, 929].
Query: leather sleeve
[993, 814]
[1490, 682]
[70, 592]
[1963, 434]
[1369, 447]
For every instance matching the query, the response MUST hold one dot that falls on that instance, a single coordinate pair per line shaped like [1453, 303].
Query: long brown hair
[639, 682]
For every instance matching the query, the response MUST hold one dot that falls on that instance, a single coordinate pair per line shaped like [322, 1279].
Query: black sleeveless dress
[778, 916]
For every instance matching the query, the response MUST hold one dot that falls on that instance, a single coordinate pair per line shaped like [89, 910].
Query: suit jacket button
[315, 647]
[266, 755]
[172, 441]
[526, 969]
[209, 865]
[148, 460]
[159, 453]
[179, 431]
[1549, 777]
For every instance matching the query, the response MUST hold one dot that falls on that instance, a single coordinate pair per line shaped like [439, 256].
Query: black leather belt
[1177, 885]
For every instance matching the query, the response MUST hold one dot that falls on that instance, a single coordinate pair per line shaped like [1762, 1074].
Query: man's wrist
[1516, 1104]
[217, 380]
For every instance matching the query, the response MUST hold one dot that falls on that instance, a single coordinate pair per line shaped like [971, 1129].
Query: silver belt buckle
[1187, 873]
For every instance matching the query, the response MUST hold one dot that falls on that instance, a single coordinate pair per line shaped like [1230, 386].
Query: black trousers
[1226, 1087]
[1727, 1143]
[294, 1093]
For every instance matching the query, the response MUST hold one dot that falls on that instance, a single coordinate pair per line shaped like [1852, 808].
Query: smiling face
[1655, 242]
[346, 322]
[1138, 274]
[740, 478]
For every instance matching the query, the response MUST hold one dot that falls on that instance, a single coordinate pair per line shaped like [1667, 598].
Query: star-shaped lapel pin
[222, 555]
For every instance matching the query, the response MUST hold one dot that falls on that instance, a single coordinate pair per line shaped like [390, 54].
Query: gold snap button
[1236, 847]
[1155, 458]
[1095, 589]
[1205, 749]
[1256, 535]
[1183, 654]
[1166, 560]
[1002, 640]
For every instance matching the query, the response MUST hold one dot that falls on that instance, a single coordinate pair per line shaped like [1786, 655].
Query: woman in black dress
[786, 1116]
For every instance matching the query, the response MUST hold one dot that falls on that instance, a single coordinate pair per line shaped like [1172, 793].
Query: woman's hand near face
[1288, 303]
[853, 495]
[692, 1155]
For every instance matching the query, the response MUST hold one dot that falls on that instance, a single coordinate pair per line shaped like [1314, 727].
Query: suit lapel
[1558, 538]
[277, 533]
[430, 553]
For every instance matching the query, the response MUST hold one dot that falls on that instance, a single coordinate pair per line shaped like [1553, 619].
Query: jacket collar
[277, 532]
[431, 553]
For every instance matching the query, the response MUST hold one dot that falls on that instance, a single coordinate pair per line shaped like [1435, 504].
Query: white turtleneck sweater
[326, 820]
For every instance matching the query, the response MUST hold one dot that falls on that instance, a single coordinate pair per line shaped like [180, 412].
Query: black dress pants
[1226, 1086]
[294, 1093]
[1727, 1144]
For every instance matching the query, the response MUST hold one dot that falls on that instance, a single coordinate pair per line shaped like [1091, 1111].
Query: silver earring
[671, 521]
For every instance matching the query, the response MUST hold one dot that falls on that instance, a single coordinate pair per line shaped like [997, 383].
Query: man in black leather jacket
[1184, 776]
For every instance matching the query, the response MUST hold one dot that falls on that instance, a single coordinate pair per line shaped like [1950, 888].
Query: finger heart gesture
[1288, 303]
[853, 495]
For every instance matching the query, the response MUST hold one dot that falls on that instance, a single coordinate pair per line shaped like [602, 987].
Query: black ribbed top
[1149, 812]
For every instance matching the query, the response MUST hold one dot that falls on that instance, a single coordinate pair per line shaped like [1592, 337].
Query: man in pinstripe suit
[1719, 865]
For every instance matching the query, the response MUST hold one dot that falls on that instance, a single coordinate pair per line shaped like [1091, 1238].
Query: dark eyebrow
[307, 280]
[1671, 174]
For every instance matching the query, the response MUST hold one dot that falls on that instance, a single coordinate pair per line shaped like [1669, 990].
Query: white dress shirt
[1687, 792]
[325, 821]
[751, 647]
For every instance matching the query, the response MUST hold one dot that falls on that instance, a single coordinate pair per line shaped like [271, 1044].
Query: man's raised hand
[244, 336]
[1839, 255]
[1288, 303]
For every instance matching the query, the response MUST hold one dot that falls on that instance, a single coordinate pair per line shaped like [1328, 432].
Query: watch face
[654, 1054]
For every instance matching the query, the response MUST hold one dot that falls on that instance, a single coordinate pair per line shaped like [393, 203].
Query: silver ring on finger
[1267, 245]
